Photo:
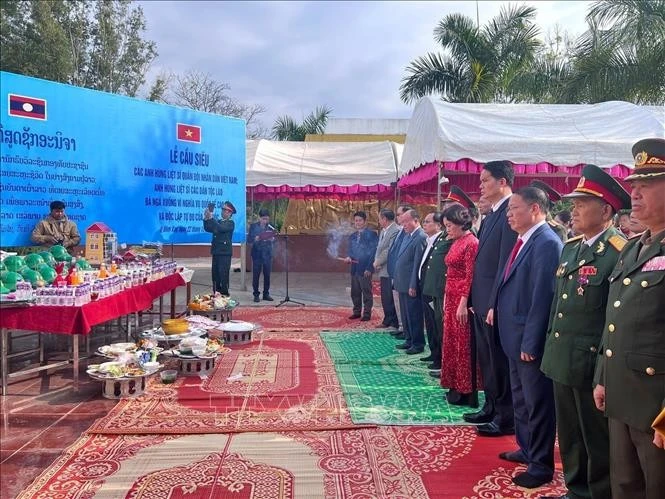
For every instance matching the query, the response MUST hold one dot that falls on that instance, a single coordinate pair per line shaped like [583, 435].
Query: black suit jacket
[496, 241]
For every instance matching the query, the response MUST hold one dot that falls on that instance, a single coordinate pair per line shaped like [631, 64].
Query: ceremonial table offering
[121, 380]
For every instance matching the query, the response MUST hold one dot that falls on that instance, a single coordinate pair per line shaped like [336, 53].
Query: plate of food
[209, 303]
[158, 334]
[115, 349]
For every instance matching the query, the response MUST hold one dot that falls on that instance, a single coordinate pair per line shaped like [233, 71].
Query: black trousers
[260, 265]
[221, 269]
[361, 294]
[496, 375]
[583, 441]
[637, 466]
[388, 303]
[434, 328]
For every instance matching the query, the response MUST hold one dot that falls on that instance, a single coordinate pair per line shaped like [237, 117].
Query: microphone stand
[286, 265]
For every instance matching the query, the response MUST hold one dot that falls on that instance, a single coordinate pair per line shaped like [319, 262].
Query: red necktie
[513, 255]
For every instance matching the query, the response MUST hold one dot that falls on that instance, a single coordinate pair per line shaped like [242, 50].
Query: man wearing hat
[575, 329]
[630, 374]
[553, 196]
[221, 247]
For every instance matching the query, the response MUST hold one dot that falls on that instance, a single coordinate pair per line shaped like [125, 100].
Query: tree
[478, 65]
[286, 128]
[96, 45]
[200, 91]
[622, 55]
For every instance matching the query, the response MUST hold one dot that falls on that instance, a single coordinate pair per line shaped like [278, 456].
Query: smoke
[335, 237]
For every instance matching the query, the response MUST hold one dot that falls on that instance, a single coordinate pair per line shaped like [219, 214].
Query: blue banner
[146, 170]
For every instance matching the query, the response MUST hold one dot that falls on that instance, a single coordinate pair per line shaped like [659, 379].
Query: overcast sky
[293, 56]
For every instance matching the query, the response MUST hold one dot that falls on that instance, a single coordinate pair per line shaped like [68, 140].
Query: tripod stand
[286, 265]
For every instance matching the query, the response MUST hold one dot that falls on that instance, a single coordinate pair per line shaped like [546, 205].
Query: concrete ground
[311, 288]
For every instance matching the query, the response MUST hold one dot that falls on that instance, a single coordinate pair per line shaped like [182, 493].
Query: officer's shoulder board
[617, 242]
[574, 239]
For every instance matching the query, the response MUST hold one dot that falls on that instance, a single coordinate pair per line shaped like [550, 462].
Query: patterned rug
[281, 381]
[384, 386]
[395, 462]
[295, 317]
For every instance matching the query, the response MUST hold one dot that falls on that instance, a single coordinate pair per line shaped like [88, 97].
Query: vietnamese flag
[27, 107]
[189, 133]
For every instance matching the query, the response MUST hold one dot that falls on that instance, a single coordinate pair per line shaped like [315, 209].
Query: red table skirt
[79, 320]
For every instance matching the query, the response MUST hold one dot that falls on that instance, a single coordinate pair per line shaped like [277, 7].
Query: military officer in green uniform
[433, 284]
[221, 247]
[630, 374]
[553, 196]
[576, 327]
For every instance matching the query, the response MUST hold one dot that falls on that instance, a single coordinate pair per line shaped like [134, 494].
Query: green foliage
[477, 65]
[93, 44]
[286, 128]
[620, 57]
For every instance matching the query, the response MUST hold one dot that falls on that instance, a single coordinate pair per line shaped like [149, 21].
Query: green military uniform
[435, 283]
[632, 366]
[559, 229]
[574, 333]
[571, 350]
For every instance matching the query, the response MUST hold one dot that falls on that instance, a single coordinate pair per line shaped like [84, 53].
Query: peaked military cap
[229, 206]
[457, 195]
[595, 182]
[552, 193]
[649, 157]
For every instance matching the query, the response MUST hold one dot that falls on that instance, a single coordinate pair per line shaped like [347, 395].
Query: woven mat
[395, 462]
[295, 317]
[281, 381]
[382, 385]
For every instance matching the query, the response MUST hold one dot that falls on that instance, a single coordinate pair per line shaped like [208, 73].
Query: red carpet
[291, 317]
[288, 382]
[395, 462]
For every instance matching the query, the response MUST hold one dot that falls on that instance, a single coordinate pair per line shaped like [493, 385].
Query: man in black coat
[496, 240]
[221, 247]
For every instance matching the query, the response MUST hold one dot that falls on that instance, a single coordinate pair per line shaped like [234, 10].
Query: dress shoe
[434, 366]
[435, 374]
[493, 430]
[268, 298]
[403, 346]
[456, 398]
[399, 336]
[429, 358]
[513, 457]
[396, 332]
[479, 417]
[529, 481]
[413, 351]
[257, 299]
[365, 319]
[354, 316]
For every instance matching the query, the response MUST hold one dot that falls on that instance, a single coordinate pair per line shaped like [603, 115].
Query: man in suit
[405, 281]
[431, 278]
[496, 240]
[389, 231]
[630, 374]
[392, 262]
[261, 237]
[362, 247]
[575, 329]
[221, 247]
[523, 298]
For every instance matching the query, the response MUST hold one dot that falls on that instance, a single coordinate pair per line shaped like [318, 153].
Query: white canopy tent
[322, 164]
[560, 134]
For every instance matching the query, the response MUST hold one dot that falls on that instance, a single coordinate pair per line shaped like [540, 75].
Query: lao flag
[27, 107]
[189, 133]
